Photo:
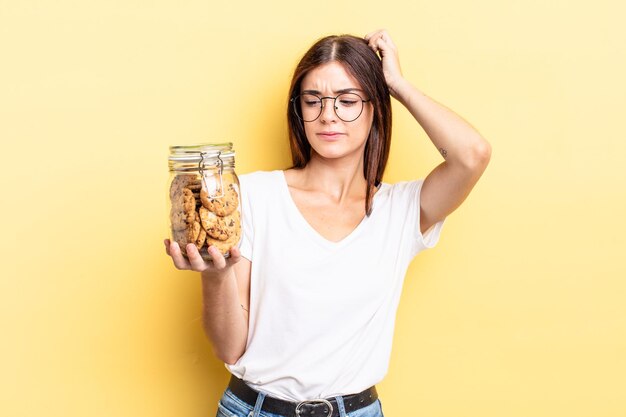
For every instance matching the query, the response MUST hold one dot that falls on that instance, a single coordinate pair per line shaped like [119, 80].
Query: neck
[340, 179]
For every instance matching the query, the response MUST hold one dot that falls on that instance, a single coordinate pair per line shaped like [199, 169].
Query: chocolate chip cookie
[223, 205]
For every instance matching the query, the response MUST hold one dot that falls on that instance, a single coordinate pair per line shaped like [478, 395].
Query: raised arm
[465, 152]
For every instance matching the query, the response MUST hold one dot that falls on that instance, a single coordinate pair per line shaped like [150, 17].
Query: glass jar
[204, 199]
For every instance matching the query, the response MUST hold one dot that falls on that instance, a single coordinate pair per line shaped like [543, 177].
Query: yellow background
[519, 311]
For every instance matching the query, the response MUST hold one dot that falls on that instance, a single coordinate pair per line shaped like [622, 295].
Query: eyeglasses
[348, 106]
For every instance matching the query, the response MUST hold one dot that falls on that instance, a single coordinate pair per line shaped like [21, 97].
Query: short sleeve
[247, 231]
[431, 237]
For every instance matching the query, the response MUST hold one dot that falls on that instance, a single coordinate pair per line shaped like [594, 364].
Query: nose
[328, 109]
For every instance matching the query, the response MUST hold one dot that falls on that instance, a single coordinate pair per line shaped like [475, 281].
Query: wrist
[400, 89]
[214, 278]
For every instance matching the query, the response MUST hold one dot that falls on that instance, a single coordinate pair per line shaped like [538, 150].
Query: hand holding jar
[193, 260]
[204, 207]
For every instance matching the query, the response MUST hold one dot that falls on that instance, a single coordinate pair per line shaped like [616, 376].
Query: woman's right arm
[225, 294]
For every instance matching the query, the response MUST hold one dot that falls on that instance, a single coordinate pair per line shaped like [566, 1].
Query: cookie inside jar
[205, 202]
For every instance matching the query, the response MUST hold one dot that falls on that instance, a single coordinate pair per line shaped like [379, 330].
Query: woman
[302, 313]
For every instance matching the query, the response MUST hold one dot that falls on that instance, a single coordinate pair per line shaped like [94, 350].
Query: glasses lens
[308, 107]
[348, 106]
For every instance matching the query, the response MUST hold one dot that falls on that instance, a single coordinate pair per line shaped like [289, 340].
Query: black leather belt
[308, 408]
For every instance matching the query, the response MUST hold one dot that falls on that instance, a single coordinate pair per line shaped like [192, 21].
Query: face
[329, 136]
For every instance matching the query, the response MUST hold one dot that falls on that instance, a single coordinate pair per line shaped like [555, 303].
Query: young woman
[303, 312]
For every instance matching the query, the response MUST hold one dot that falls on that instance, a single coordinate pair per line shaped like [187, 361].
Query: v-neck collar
[310, 230]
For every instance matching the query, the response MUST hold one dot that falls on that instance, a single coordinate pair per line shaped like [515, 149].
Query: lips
[329, 134]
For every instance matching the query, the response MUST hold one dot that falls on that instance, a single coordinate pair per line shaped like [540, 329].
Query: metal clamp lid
[203, 172]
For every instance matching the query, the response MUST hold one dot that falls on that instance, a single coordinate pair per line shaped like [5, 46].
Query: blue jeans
[231, 406]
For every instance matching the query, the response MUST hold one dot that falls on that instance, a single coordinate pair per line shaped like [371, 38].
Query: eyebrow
[344, 90]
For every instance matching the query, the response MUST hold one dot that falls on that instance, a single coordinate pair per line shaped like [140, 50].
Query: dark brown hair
[364, 65]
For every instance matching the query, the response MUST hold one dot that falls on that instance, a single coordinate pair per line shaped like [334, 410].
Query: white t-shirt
[322, 313]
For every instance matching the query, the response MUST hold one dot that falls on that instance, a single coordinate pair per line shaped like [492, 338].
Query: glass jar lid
[203, 155]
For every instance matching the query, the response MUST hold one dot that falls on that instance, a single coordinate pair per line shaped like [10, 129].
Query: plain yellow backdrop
[520, 309]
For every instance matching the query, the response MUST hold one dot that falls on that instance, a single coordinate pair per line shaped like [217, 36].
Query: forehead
[329, 77]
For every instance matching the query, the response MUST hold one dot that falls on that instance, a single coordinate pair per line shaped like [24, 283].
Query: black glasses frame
[295, 102]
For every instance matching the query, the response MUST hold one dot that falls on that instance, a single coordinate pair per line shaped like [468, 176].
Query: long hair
[364, 65]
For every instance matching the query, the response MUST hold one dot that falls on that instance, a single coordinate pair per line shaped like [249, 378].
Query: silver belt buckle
[321, 400]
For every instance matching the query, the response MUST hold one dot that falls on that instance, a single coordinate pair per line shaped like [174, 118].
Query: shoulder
[259, 178]
[257, 175]
[401, 189]
[259, 185]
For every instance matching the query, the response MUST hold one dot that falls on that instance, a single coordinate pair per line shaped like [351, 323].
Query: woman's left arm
[465, 152]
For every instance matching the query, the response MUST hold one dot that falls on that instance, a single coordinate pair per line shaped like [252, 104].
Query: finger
[167, 246]
[377, 43]
[381, 44]
[385, 47]
[373, 46]
[218, 259]
[195, 259]
[371, 40]
[177, 256]
[385, 37]
[374, 40]
[235, 256]
[371, 34]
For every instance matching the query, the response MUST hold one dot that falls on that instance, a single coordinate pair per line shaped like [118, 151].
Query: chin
[334, 152]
